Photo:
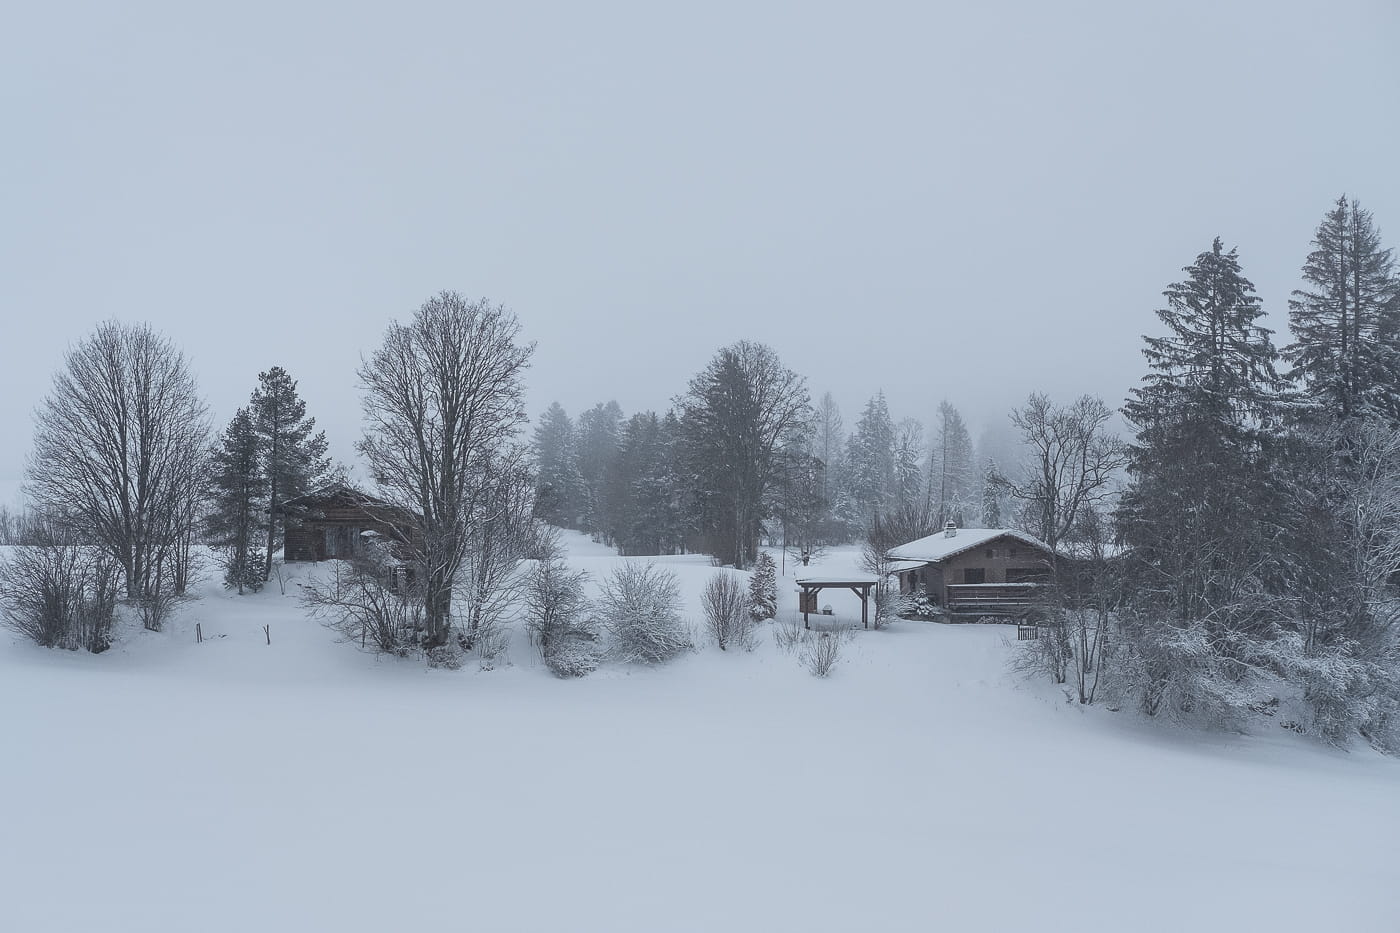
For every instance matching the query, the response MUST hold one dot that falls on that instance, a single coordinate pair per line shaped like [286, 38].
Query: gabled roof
[940, 547]
[344, 495]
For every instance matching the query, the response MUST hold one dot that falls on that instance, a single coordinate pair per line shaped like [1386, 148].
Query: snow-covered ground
[237, 786]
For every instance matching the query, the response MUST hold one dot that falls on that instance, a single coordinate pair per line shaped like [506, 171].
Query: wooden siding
[936, 579]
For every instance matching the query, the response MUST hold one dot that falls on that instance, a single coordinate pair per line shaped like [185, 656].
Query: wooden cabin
[975, 571]
[337, 522]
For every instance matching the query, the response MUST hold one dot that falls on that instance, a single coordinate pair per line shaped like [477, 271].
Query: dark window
[1011, 552]
[974, 575]
[991, 552]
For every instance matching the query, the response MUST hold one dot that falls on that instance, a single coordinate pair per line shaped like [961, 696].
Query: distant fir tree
[559, 490]
[238, 494]
[992, 490]
[951, 478]
[639, 502]
[908, 468]
[1346, 321]
[870, 458]
[734, 417]
[293, 451]
[599, 435]
[1201, 514]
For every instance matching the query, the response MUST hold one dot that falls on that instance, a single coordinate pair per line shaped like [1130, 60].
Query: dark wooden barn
[336, 522]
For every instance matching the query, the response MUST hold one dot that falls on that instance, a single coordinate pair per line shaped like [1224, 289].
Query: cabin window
[974, 575]
[991, 552]
[1011, 552]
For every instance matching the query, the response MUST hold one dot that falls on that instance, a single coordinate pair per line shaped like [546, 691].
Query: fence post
[267, 630]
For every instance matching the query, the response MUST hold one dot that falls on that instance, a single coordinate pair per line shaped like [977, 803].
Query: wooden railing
[992, 598]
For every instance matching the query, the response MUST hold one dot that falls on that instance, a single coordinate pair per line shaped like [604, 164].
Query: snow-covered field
[233, 785]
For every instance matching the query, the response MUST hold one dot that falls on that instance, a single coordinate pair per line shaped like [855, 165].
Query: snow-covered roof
[853, 579]
[938, 547]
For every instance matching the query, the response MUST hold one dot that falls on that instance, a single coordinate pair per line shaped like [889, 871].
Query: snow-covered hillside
[304, 785]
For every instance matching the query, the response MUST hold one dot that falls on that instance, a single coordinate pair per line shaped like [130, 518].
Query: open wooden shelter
[858, 583]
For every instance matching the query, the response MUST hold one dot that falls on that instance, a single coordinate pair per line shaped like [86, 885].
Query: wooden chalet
[975, 571]
[336, 522]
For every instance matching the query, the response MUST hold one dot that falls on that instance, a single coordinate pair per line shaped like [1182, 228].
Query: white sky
[967, 201]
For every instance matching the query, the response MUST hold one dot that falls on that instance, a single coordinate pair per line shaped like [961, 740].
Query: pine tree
[1346, 323]
[763, 588]
[559, 485]
[294, 453]
[238, 495]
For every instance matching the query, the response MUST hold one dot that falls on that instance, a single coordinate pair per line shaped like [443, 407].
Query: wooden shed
[336, 522]
[977, 571]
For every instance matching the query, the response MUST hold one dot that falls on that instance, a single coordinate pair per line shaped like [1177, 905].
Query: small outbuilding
[978, 571]
[338, 521]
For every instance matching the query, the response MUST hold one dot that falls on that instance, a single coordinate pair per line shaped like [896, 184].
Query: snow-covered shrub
[763, 588]
[640, 607]
[558, 617]
[820, 652]
[917, 606]
[1349, 689]
[60, 595]
[729, 615]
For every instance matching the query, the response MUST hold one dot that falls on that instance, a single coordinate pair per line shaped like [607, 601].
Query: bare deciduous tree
[726, 607]
[1071, 462]
[119, 453]
[442, 398]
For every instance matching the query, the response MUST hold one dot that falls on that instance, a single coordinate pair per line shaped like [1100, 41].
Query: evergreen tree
[951, 477]
[238, 495]
[734, 418]
[599, 436]
[763, 588]
[1346, 322]
[908, 473]
[992, 486]
[1200, 516]
[293, 451]
[559, 484]
[871, 459]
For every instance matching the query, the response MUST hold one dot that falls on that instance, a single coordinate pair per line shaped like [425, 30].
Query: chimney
[950, 530]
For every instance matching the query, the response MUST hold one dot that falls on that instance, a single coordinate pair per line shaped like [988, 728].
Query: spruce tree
[991, 495]
[763, 588]
[1346, 322]
[293, 451]
[238, 494]
[1200, 516]
[871, 461]
[558, 483]
[950, 469]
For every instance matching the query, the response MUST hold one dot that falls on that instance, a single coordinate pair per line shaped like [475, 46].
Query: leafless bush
[820, 652]
[727, 612]
[60, 595]
[640, 607]
[367, 601]
[787, 634]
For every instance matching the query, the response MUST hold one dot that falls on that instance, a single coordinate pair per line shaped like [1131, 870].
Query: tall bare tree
[442, 396]
[1071, 461]
[120, 448]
